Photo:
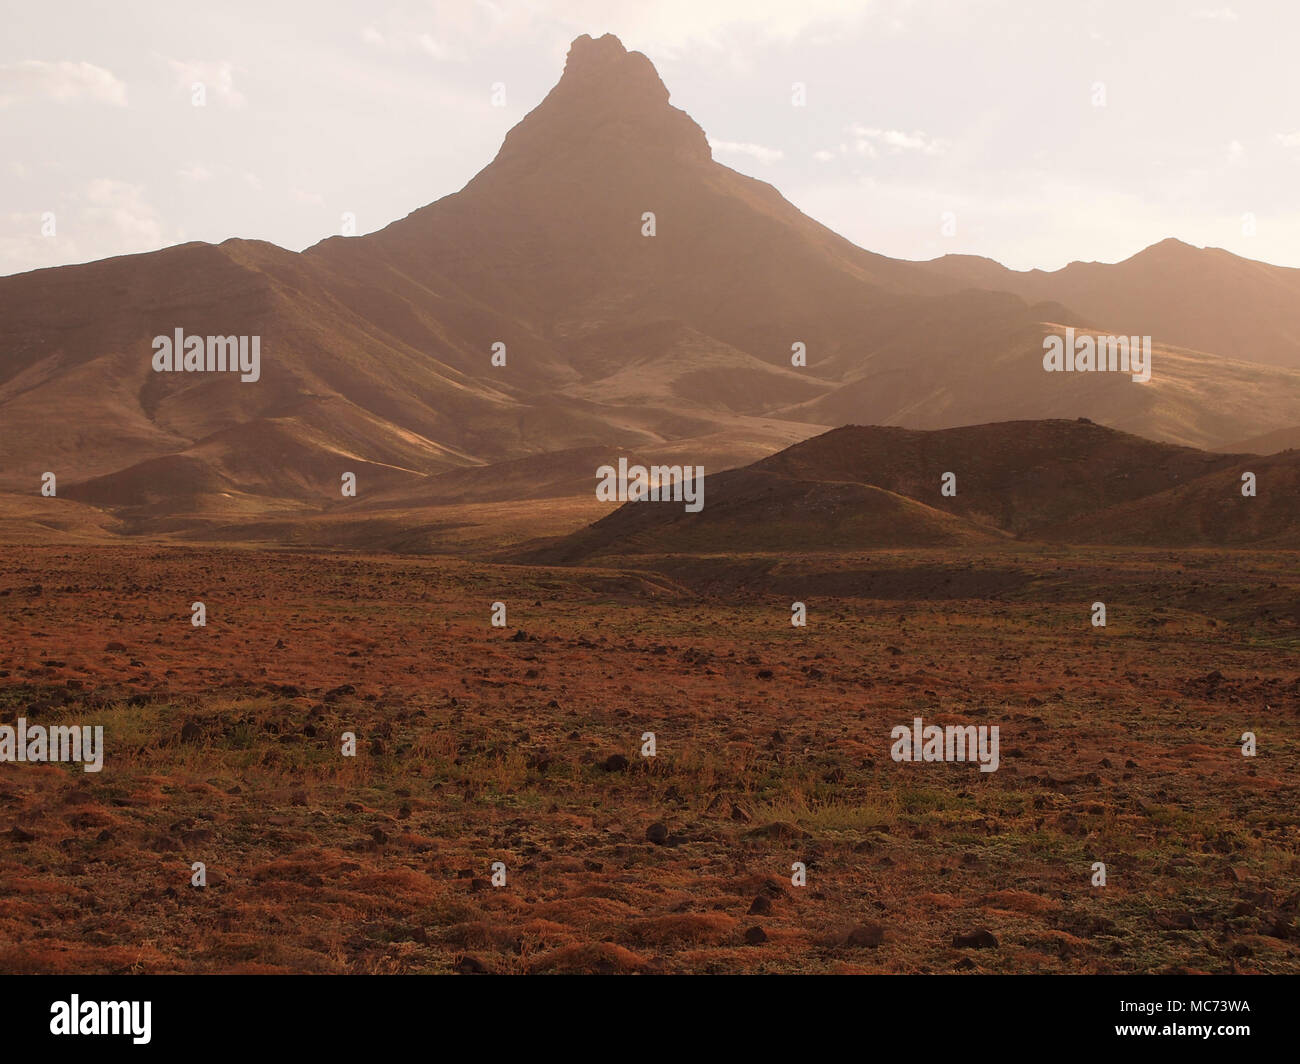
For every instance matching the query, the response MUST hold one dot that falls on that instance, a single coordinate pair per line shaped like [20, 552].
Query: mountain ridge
[377, 349]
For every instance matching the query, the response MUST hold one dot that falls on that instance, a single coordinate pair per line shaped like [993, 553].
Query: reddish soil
[479, 744]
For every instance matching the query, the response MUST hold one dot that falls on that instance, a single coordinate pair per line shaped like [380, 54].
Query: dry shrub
[712, 928]
[599, 958]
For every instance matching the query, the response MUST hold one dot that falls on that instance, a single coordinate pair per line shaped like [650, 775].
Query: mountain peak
[602, 64]
[607, 101]
[1170, 246]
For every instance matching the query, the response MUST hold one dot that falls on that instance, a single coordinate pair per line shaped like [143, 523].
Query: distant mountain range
[376, 351]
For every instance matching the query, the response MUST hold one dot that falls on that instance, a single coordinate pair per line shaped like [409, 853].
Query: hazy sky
[988, 110]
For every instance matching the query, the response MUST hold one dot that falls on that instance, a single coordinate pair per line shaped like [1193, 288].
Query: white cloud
[403, 36]
[431, 47]
[673, 24]
[194, 173]
[25, 249]
[217, 77]
[312, 199]
[1215, 14]
[101, 217]
[755, 151]
[663, 26]
[1288, 140]
[63, 81]
[1236, 153]
[872, 142]
[119, 214]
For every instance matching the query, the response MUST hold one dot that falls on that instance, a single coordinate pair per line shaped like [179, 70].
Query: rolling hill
[867, 487]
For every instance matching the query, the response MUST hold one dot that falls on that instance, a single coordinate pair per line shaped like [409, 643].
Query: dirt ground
[523, 745]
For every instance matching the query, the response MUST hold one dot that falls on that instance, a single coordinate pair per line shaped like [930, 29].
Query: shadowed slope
[866, 487]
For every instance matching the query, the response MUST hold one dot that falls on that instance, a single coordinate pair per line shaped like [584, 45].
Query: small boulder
[865, 936]
[982, 938]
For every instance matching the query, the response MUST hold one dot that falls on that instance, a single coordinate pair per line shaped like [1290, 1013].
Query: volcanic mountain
[377, 351]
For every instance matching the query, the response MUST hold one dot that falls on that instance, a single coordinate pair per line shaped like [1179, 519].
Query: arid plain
[523, 745]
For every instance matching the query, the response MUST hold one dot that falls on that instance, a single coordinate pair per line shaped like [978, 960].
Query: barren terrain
[479, 744]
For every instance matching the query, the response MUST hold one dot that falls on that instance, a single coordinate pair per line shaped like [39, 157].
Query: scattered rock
[720, 806]
[980, 939]
[865, 936]
[755, 936]
[657, 833]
